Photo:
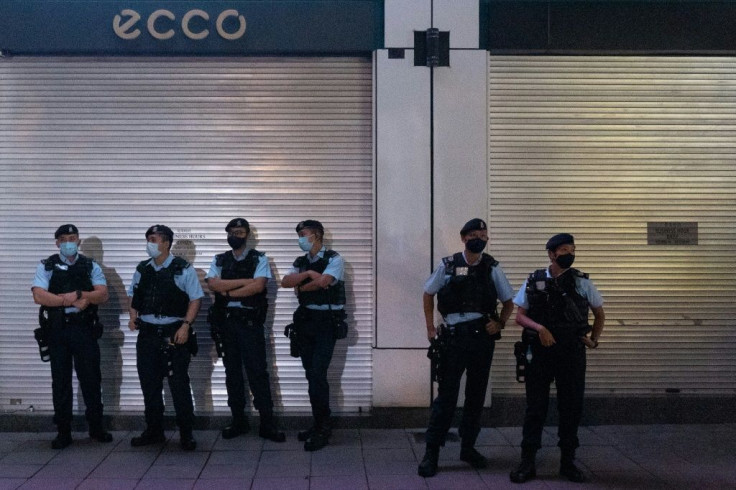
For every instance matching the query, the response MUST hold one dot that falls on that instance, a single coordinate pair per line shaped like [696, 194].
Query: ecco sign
[124, 24]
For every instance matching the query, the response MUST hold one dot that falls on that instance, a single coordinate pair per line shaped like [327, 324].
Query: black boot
[148, 437]
[319, 439]
[471, 456]
[428, 466]
[568, 468]
[268, 429]
[238, 427]
[186, 440]
[98, 433]
[62, 439]
[527, 468]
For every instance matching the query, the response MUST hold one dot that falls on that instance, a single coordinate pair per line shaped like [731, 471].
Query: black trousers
[152, 362]
[316, 340]
[563, 363]
[71, 345]
[244, 346]
[469, 350]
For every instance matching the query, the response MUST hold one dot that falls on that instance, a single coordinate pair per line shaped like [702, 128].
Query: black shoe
[318, 440]
[271, 433]
[525, 472]
[428, 467]
[237, 428]
[100, 435]
[148, 437]
[62, 440]
[303, 435]
[571, 472]
[187, 442]
[473, 457]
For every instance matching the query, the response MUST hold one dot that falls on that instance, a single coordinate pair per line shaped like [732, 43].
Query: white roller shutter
[116, 145]
[599, 147]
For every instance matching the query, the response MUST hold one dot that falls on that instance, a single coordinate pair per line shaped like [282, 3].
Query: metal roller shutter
[599, 147]
[115, 145]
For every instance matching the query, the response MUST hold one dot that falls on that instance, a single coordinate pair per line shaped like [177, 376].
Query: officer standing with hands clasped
[166, 296]
[238, 278]
[553, 309]
[319, 322]
[468, 286]
[69, 286]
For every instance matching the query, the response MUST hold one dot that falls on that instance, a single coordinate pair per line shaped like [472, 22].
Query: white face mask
[152, 249]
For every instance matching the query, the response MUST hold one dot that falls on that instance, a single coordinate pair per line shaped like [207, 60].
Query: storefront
[119, 115]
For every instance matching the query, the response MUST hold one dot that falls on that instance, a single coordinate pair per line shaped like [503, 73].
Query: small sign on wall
[672, 233]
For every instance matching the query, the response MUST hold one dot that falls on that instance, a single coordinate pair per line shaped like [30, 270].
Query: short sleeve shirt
[43, 277]
[187, 281]
[440, 278]
[262, 270]
[584, 288]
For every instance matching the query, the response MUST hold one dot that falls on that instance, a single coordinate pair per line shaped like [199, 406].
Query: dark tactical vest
[243, 269]
[157, 294]
[558, 306]
[333, 295]
[66, 278]
[470, 288]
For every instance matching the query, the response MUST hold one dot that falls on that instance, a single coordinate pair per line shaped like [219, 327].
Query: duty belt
[166, 329]
[471, 327]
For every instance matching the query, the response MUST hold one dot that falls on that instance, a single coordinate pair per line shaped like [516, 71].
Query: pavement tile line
[650, 457]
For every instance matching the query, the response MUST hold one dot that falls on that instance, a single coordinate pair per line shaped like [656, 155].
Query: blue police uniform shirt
[43, 277]
[262, 270]
[584, 287]
[439, 279]
[187, 281]
[335, 268]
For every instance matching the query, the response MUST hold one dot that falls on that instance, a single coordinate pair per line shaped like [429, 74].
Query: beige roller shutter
[116, 145]
[600, 147]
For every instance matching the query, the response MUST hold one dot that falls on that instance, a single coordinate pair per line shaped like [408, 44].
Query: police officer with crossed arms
[468, 284]
[553, 308]
[69, 286]
[165, 299]
[238, 278]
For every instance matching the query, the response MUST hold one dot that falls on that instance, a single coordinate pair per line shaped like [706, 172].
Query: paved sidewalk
[613, 457]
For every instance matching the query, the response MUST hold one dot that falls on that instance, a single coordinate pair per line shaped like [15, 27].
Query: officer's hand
[546, 337]
[182, 335]
[132, 326]
[69, 298]
[314, 275]
[431, 332]
[493, 327]
[589, 343]
[82, 304]
[214, 282]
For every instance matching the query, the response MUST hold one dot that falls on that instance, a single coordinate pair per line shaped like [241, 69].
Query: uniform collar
[67, 261]
[465, 258]
[319, 255]
[242, 256]
[166, 263]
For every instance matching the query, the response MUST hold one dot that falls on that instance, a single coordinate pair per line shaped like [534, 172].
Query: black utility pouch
[290, 332]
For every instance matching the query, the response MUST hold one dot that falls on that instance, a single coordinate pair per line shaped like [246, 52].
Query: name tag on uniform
[461, 271]
[541, 285]
[62, 267]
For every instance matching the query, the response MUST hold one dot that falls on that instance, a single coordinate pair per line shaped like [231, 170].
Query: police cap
[560, 239]
[68, 229]
[472, 225]
[161, 230]
[238, 223]
[310, 223]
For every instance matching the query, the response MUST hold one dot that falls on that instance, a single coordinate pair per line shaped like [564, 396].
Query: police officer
[553, 309]
[320, 287]
[468, 286]
[166, 296]
[238, 278]
[69, 286]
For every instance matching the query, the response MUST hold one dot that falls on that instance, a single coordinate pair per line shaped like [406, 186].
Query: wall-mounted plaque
[672, 233]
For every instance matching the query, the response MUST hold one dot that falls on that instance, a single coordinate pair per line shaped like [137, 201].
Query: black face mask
[235, 242]
[476, 245]
[565, 261]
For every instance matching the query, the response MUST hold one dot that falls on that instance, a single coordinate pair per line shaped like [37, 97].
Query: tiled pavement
[613, 457]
